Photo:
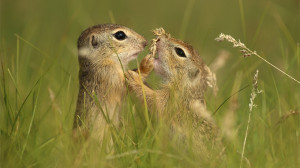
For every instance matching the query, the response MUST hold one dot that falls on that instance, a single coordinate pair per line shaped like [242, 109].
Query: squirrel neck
[184, 92]
[105, 79]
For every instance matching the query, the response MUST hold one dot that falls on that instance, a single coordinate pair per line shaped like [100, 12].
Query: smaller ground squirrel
[185, 77]
[101, 48]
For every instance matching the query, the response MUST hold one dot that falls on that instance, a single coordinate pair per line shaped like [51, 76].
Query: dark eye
[180, 52]
[120, 35]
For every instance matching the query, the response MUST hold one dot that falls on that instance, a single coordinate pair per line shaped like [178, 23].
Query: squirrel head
[180, 62]
[110, 41]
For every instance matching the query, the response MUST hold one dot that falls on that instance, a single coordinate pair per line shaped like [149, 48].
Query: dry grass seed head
[247, 52]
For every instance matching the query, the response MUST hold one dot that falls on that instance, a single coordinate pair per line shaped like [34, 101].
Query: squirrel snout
[144, 43]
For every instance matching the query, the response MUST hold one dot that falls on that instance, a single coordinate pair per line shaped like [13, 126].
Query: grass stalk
[35, 97]
[247, 52]
[254, 93]
[186, 16]
[261, 21]
[5, 98]
[298, 53]
[111, 16]
[17, 70]
[241, 6]
[145, 102]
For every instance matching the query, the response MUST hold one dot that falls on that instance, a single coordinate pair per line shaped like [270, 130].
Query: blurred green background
[39, 70]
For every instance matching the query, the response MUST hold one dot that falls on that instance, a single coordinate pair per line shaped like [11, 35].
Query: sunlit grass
[39, 84]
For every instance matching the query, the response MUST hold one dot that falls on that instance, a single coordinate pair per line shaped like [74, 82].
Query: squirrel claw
[131, 75]
[147, 65]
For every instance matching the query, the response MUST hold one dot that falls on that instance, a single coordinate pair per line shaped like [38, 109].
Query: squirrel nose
[144, 43]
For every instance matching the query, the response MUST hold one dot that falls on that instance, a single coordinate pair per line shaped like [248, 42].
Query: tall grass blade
[35, 100]
[186, 16]
[285, 31]
[247, 52]
[245, 87]
[23, 103]
[8, 108]
[254, 93]
[261, 21]
[241, 6]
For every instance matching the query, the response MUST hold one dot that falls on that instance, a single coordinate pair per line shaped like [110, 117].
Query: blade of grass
[23, 103]
[111, 16]
[123, 70]
[31, 45]
[57, 94]
[131, 108]
[44, 144]
[112, 127]
[47, 70]
[298, 53]
[54, 60]
[129, 101]
[262, 18]
[5, 98]
[241, 6]
[279, 105]
[35, 99]
[149, 125]
[285, 31]
[17, 70]
[253, 95]
[27, 96]
[72, 100]
[286, 116]
[186, 16]
[245, 87]
[247, 52]
[15, 84]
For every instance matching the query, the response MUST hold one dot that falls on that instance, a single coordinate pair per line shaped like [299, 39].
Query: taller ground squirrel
[103, 50]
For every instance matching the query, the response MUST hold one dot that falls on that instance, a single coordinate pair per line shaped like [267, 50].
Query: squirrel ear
[94, 42]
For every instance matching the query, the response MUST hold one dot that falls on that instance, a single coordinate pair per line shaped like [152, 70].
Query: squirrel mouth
[130, 57]
[133, 56]
[158, 48]
[157, 56]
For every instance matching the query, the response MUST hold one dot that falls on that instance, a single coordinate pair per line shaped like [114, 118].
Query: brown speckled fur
[101, 77]
[182, 93]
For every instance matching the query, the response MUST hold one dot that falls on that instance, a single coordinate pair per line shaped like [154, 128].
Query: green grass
[39, 83]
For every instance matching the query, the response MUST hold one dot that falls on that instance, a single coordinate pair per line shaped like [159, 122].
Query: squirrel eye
[120, 35]
[180, 52]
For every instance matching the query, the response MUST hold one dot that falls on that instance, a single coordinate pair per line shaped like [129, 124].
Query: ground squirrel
[185, 77]
[101, 48]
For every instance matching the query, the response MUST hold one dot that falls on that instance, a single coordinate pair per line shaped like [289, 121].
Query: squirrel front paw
[146, 65]
[133, 79]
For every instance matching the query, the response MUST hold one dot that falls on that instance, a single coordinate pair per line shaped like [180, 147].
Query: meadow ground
[39, 82]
